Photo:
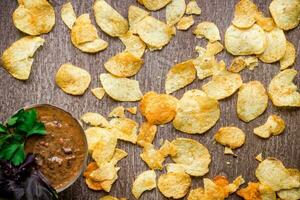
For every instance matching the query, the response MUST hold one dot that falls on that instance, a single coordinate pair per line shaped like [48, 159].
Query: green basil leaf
[2, 128]
[19, 155]
[3, 139]
[37, 129]
[27, 120]
[8, 151]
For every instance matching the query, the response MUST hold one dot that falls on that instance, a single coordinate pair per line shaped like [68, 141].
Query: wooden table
[57, 50]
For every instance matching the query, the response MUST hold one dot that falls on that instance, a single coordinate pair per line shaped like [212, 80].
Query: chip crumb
[259, 157]
[132, 110]
[98, 92]
[214, 48]
[118, 111]
[192, 8]
[237, 64]
[146, 134]
[228, 163]
[185, 23]
[228, 151]
[208, 30]
[274, 125]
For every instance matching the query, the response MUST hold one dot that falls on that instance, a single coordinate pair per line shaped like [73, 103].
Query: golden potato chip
[108, 197]
[245, 41]
[152, 157]
[251, 192]
[275, 125]
[251, 62]
[252, 101]
[231, 137]
[174, 184]
[208, 30]
[94, 119]
[228, 151]
[72, 80]
[106, 172]
[109, 20]
[267, 23]
[143, 182]
[237, 64]
[106, 185]
[146, 134]
[118, 111]
[89, 169]
[123, 64]
[289, 56]
[158, 108]
[194, 156]
[94, 135]
[34, 17]
[244, 14]
[121, 89]
[172, 167]
[179, 76]
[154, 5]
[118, 155]
[93, 185]
[259, 157]
[197, 194]
[285, 13]
[133, 44]
[214, 48]
[135, 15]
[154, 32]
[196, 112]
[68, 14]
[127, 129]
[273, 173]
[175, 11]
[132, 110]
[98, 92]
[18, 58]
[276, 46]
[168, 149]
[292, 194]
[223, 85]
[282, 91]
[185, 23]
[192, 8]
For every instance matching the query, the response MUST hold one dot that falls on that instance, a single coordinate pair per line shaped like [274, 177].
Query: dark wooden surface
[57, 50]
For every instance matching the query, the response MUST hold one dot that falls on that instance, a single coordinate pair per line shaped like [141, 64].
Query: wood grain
[57, 50]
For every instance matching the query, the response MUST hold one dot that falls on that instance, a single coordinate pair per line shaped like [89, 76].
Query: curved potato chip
[292, 194]
[267, 23]
[257, 191]
[118, 155]
[197, 194]
[192, 8]
[121, 89]
[94, 119]
[106, 185]
[93, 185]
[185, 23]
[231, 137]
[132, 110]
[237, 64]
[118, 111]
[98, 92]
[214, 48]
[196, 112]
[143, 182]
[72, 80]
[108, 197]
[282, 91]
[109, 20]
[146, 134]
[244, 14]
[133, 44]
[127, 129]
[245, 41]
[154, 5]
[34, 17]
[208, 30]
[175, 11]
[276, 46]
[274, 126]
[135, 15]
[285, 13]
[252, 101]
[68, 14]
[18, 58]
[172, 167]
[106, 172]
[179, 76]
[259, 157]
[174, 184]
[94, 135]
[152, 157]
[289, 56]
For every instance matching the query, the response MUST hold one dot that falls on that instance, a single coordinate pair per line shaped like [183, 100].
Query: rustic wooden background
[57, 50]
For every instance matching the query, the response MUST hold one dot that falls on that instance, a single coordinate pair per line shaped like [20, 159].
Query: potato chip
[192, 8]
[98, 92]
[158, 108]
[266, 192]
[118, 111]
[214, 48]
[223, 85]
[143, 182]
[118, 155]
[108, 197]
[289, 56]
[276, 46]
[185, 23]
[106, 172]
[252, 101]
[273, 173]
[154, 5]
[132, 110]
[106, 185]
[175, 11]
[154, 32]
[251, 62]
[267, 23]
[244, 14]
[135, 15]
[168, 149]
[34, 17]
[72, 80]
[94, 119]
[133, 44]
[174, 184]
[179, 76]
[259, 157]
[109, 20]
[94, 135]
[196, 112]
[245, 41]
[93, 185]
[208, 30]
[89, 169]
[68, 14]
[285, 13]
[282, 91]
[127, 129]
[275, 125]
[292, 194]
[172, 167]
[257, 191]
[206, 65]
[152, 157]
[192, 155]
[237, 64]
[18, 58]
[228, 151]
[121, 89]
[231, 137]
[123, 64]
[197, 194]
[146, 134]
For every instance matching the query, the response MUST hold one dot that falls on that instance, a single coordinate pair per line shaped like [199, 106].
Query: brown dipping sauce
[61, 153]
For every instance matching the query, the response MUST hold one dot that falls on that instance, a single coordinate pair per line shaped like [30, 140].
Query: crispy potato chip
[185, 23]
[135, 15]
[179, 76]
[108, 197]
[259, 157]
[146, 134]
[68, 14]
[158, 108]
[196, 112]
[118, 155]
[228, 151]
[132, 110]
[133, 44]
[154, 5]
[127, 129]
[285, 13]
[223, 85]
[18, 58]
[273, 173]
[89, 169]
[143, 182]
[118, 111]
[98, 92]
[251, 62]
[121, 89]
[174, 184]
[192, 8]
[172, 167]
[168, 149]
[72, 80]
[94, 119]
[244, 14]
[275, 125]
[197, 194]
[292, 194]
[245, 41]
[152, 157]
[208, 30]
[93, 185]
[214, 48]
[289, 56]
[106, 185]
[282, 91]
[267, 23]
[175, 11]
[94, 135]
[251, 192]
[109, 20]
[237, 64]
[252, 101]
[123, 64]
[231, 137]
[276, 46]
[106, 172]
[34, 17]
